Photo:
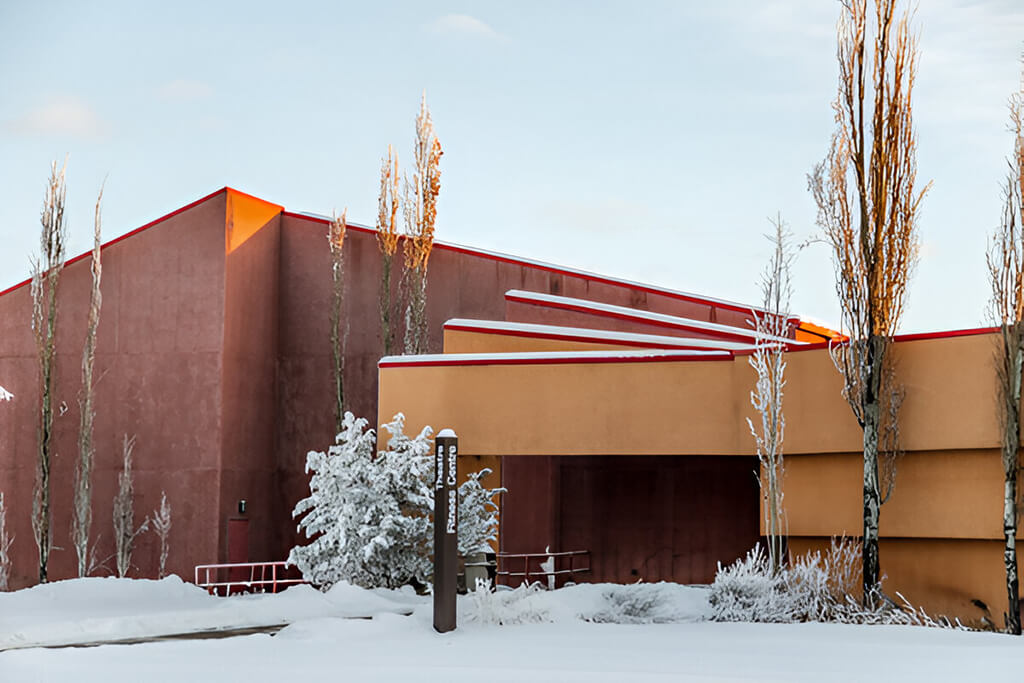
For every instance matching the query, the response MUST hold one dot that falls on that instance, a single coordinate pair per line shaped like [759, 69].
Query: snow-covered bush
[371, 517]
[749, 590]
[814, 587]
[636, 603]
[523, 605]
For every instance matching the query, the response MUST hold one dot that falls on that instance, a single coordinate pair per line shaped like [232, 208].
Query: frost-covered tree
[370, 518]
[162, 527]
[5, 547]
[124, 511]
[769, 361]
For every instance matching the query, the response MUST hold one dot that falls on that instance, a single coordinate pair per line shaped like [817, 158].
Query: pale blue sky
[649, 140]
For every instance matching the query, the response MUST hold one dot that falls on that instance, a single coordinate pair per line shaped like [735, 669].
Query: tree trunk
[1011, 449]
[874, 359]
[1010, 555]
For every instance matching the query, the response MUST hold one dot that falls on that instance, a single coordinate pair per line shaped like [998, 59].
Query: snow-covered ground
[323, 642]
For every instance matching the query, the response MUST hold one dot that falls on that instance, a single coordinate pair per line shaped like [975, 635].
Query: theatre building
[613, 412]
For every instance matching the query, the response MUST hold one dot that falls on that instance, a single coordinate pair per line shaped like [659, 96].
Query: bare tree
[124, 511]
[867, 208]
[387, 240]
[1006, 273]
[5, 548]
[420, 217]
[46, 271]
[769, 361]
[81, 520]
[162, 527]
[336, 241]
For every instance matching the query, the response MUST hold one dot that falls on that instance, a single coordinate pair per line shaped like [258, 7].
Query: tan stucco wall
[941, 527]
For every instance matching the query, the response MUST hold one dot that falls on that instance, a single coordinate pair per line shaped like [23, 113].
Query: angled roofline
[148, 225]
[635, 315]
[590, 335]
[551, 358]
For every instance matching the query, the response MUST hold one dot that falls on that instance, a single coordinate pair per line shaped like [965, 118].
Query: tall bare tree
[387, 240]
[81, 520]
[769, 361]
[420, 217]
[868, 210]
[125, 530]
[162, 527]
[1006, 274]
[336, 241]
[46, 272]
[5, 548]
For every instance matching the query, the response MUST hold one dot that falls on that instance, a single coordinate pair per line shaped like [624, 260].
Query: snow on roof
[662, 319]
[592, 335]
[551, 357]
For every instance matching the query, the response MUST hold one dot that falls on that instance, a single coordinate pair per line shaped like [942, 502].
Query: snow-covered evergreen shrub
[371, 514]
[397, 539]
[334, 509]
[478, 514]
[371, 517]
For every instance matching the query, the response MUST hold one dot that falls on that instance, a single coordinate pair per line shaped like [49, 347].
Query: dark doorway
[655, 518]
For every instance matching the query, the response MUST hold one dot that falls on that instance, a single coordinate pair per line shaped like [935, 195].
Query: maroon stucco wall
[219, 362]
[251, 315]
[158, 370]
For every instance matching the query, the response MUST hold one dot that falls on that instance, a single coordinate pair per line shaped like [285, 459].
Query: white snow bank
[108, 609]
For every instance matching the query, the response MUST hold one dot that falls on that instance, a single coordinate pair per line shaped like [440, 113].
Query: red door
[238, 549]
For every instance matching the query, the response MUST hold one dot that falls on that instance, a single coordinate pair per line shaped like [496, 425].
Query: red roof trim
[945, 334]
[725, 355]
[137, 231]
[631, 318]
[918, 336]
[681, 346]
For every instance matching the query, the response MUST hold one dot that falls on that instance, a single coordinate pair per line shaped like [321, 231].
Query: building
[613, 412]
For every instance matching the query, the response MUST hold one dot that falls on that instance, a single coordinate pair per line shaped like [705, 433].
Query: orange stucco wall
[941, 527]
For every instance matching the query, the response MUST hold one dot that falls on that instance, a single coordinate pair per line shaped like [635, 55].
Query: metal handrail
[526, 557]
[260, 583]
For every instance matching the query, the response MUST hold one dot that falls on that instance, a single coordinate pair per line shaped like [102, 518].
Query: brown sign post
[446, 526]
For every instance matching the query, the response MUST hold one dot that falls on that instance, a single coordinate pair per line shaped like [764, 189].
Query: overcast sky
[648, 140]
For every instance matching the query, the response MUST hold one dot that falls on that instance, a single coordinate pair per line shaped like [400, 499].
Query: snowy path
[87, 611]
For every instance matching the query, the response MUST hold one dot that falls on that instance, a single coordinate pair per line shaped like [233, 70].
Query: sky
[648, 140]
